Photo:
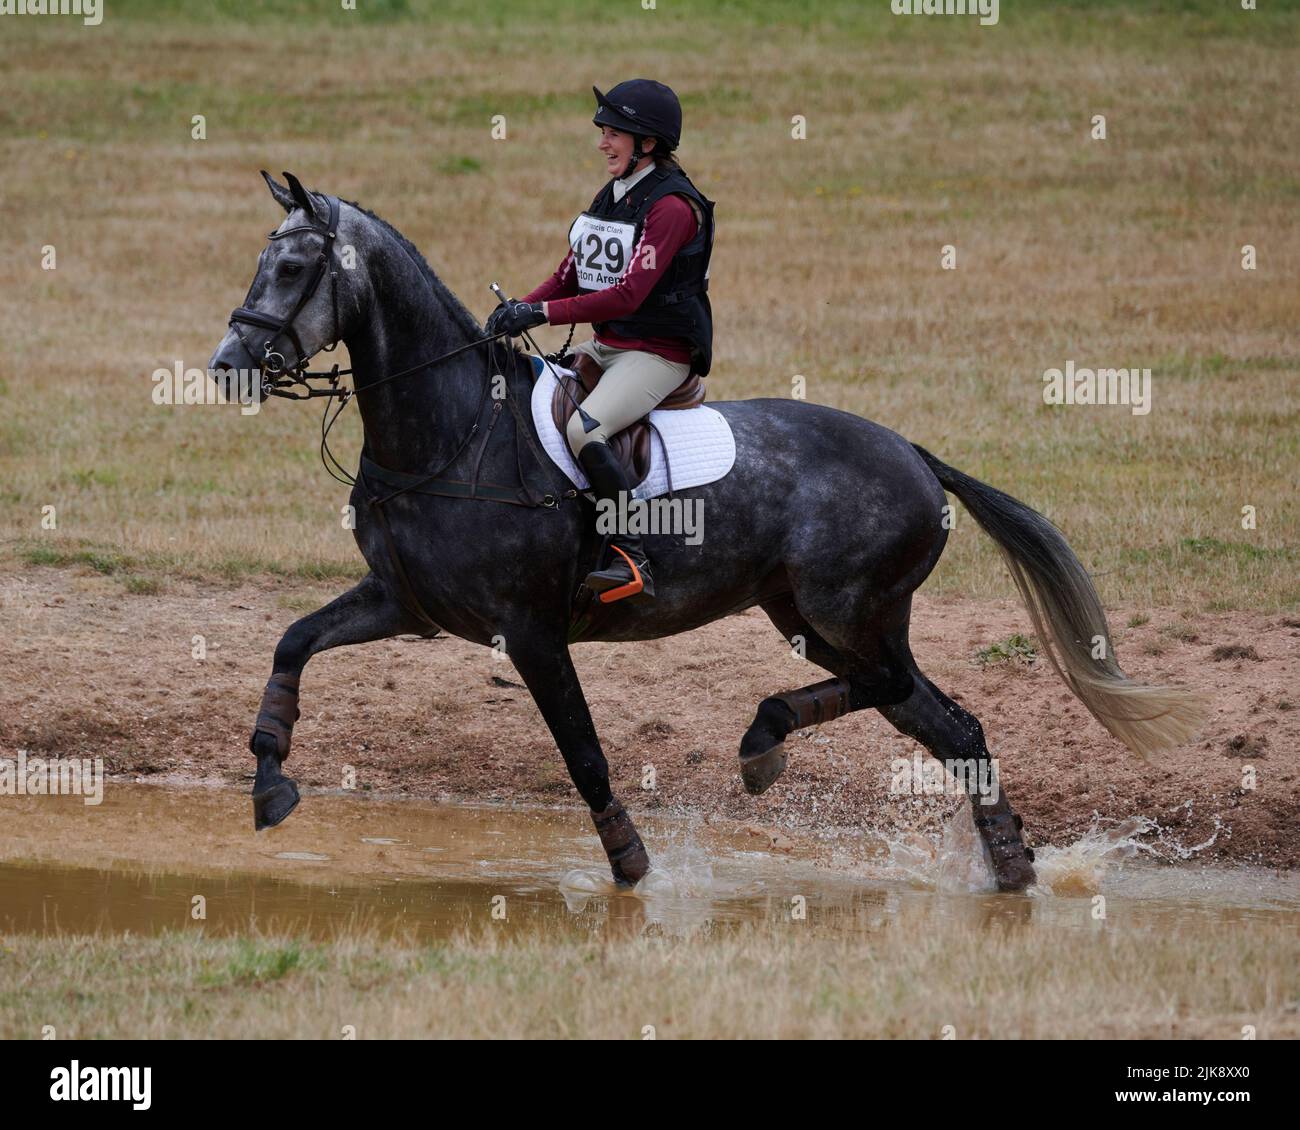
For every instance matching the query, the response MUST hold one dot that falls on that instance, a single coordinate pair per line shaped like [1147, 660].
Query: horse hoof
[1016, 875]
[1004, 848]
[759, 771]
[273, 805]
[630, 865]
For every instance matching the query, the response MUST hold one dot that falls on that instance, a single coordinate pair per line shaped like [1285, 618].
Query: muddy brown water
[148, 858]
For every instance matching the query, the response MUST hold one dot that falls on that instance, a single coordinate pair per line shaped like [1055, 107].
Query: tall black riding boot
[628, 570]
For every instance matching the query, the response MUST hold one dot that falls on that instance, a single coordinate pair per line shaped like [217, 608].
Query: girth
[382, 484]
[399, 482]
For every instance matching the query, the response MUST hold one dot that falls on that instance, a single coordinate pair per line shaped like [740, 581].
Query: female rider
[637, 270]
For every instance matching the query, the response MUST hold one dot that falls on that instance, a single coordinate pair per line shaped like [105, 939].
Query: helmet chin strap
[635, 159]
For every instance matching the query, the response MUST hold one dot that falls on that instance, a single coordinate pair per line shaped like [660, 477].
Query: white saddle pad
[699, 443]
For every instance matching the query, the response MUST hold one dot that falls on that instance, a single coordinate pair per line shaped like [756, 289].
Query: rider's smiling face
[617, 147]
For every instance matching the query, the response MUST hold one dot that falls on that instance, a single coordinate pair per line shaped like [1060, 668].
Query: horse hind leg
[763, 756]
[875, 668]
[858, 685]
[955, 737]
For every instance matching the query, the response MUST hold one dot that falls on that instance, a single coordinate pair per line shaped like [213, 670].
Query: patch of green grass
[1016, 648]
[1216, 365]
[301, 602]
[107, 563]
[103, 561]
[256, 963]
[239, 567]
[231, 567]
[516, 106]
[323, 570]
[1207, 549]
[43, 555]
[458, 165]
[93, 477]
[1213, 547]
[1138, 619]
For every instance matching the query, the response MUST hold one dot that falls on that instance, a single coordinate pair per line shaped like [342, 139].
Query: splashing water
[681, 892]
[1080, 868]
[958, 863]
[684, 886]
[438, 870]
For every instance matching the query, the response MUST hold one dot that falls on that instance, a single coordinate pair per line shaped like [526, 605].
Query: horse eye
[290, 270]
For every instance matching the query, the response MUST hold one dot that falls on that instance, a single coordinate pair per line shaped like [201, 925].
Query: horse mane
[457, 309]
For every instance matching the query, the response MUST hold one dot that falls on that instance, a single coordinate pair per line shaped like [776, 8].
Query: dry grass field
[921, 132]
[765, 981]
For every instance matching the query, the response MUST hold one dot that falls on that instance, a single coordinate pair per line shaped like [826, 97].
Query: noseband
[277, 378]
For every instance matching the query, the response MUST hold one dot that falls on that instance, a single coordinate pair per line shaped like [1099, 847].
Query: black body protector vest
[603, 240]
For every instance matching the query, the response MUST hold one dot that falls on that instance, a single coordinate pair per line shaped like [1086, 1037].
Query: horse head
[305, 296]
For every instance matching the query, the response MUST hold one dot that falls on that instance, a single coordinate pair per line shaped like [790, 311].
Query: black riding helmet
[643, 108]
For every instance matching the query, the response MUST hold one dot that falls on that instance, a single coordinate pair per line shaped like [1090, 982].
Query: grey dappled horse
[828, 522]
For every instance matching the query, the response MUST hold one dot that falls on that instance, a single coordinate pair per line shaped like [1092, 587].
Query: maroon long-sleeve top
[669, 225]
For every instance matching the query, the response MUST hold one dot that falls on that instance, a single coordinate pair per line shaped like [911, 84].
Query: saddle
[631, 446]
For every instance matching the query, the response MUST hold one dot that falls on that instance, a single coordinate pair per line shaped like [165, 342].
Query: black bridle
[277, 379]
[294, 382]
[281, 380]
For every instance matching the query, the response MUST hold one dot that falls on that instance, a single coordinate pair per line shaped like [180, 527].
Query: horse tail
[1069, 620]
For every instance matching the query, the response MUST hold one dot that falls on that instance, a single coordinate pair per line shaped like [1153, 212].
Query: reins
[294, 383]
[344, 395]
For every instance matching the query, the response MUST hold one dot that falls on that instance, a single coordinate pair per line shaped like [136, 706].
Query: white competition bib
[601, 249]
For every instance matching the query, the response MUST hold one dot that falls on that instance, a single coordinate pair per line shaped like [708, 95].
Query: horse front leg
[361, 615]
[550, 677]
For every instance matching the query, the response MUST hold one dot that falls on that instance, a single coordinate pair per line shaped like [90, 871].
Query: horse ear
[302, 196]
[282, 195]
